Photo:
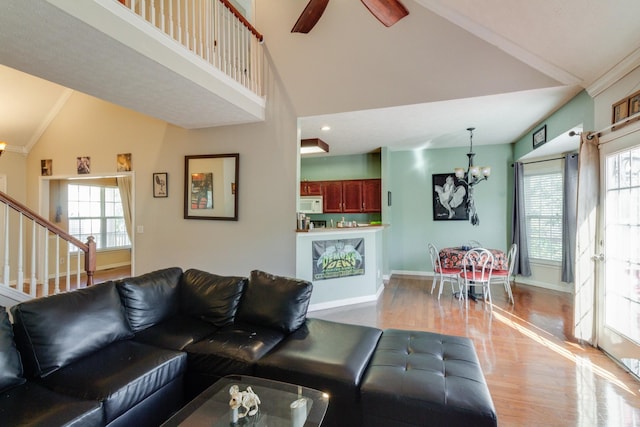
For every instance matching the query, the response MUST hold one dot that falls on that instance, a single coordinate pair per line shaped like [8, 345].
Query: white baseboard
[347, 301]
[519, 279]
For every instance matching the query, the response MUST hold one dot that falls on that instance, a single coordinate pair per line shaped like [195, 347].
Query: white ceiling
[501, 66]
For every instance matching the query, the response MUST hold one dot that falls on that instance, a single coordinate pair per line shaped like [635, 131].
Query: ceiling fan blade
[310, 16]
[387, 11]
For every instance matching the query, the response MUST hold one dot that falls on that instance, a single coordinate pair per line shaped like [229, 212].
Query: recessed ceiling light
[325, 128]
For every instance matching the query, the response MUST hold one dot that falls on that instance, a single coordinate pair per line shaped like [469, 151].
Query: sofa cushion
[210, 297]
[34, 405]
[275, 301]
[53, 331]
[233, 349]
[120, 375]
[150, 298]
[176, 333]
[10, 364]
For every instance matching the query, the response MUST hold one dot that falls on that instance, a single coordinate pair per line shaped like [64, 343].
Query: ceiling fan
[386, 11]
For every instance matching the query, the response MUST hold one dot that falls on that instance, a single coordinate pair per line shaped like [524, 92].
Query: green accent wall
[579, 110]
[329, 168]
[412, 225]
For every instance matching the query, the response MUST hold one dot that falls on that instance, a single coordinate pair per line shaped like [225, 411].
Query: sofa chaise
[133, 351]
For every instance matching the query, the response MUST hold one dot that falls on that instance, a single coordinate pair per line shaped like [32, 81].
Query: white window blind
[97, 211]
[543, 208]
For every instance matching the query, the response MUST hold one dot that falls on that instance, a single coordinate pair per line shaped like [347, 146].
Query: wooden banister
[88, 248]
[242, 19]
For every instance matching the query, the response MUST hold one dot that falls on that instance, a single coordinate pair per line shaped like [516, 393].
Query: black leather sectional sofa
[134, 351]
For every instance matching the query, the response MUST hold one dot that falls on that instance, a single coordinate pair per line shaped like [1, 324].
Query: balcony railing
[212, 29]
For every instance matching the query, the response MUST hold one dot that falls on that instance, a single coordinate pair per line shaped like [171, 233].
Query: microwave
[310, 205]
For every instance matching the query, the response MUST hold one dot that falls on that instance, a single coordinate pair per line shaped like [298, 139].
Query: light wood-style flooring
[537, 375]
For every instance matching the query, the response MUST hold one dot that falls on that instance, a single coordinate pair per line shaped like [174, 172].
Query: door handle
[598, 257]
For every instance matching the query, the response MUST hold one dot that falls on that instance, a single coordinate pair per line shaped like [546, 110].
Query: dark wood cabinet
[311, 188]
[332, 196]
[352, 196]
[371, 195]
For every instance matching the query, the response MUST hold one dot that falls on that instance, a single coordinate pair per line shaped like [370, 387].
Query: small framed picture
[46, 167]
[634, 104]
[123, 162]
[620, 111]
[84, 165]
[161, 184]
[540, 136]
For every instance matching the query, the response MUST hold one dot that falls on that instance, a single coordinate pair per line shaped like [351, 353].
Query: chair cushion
[448, 270]
[34, 405]
[150, 298]
[53, 331]
[500, 273]
[477, 276]
[120, 375]
[210, 297]
[10, 364]
[275, 301]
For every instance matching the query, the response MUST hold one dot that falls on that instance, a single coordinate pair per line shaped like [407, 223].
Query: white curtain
[586, 245]
[124, 185]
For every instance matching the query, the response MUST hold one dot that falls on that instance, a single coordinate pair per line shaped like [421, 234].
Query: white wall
[262, 238]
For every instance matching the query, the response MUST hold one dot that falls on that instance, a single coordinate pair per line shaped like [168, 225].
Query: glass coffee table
[282, 405]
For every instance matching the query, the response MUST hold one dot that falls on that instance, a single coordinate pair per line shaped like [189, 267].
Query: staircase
[30, 248]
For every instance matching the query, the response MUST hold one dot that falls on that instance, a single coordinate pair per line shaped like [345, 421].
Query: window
[543, 207]
[97, 211]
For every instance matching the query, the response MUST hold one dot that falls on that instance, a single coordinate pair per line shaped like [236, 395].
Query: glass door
[619, 279]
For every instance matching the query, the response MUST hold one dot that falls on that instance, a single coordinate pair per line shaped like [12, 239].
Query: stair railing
[15, 232]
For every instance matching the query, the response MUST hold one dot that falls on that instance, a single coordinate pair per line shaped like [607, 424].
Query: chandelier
[469, 178]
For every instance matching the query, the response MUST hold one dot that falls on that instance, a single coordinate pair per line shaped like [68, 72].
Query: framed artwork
[211, 186]
[84, 165]
[123, 162]
[46, 167]
[634, 104]
[540, 136]
[449, 198]
[620, 111]
[161, 184]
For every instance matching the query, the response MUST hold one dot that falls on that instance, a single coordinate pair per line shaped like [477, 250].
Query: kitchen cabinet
[352, 196]
[371, 195]
[311, 188]
[332, 196]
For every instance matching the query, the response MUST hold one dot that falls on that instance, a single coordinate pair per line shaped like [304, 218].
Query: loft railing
[212, 29]
[25, 234]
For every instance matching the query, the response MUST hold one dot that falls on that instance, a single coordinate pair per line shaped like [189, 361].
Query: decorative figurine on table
[242, 403]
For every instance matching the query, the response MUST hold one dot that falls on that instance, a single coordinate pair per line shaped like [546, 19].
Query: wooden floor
[537, 375]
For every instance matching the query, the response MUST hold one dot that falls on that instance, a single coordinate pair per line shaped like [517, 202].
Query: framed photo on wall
[211, 186]
[161, 184]
[449, 198]
[540, 136]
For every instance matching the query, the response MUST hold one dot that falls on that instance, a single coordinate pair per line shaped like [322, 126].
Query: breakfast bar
[344, 264]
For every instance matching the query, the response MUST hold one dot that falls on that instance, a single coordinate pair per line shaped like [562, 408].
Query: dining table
[452, 258]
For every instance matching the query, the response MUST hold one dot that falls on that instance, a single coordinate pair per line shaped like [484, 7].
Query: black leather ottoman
[420, 378]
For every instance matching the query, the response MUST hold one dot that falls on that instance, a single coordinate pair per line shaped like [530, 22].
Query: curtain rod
[625, 122]
[545, 160]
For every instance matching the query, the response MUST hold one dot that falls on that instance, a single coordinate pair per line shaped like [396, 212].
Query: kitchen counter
[343, 263]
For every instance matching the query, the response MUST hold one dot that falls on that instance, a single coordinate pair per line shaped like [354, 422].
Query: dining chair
[504, 275]
[442, 274]
[477, 265]
[474, 244]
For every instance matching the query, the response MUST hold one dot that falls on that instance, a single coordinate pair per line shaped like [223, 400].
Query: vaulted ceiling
[499, 65]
